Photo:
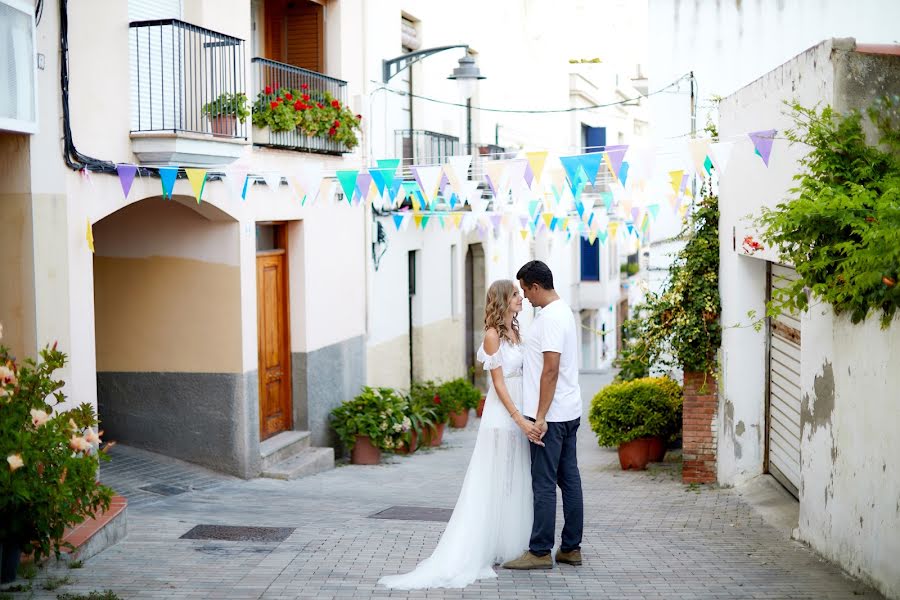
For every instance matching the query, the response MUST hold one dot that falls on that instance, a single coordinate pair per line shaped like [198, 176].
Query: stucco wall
[850, 474]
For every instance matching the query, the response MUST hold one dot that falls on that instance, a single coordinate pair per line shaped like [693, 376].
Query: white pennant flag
[310, 179]
[698, 150]
[720, 152]
[520, 189]
[429, 177]
[273, 180]
[471, 193]
[235, 177]
[457, 170]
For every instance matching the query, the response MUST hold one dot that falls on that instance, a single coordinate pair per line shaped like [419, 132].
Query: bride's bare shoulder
[491, 340]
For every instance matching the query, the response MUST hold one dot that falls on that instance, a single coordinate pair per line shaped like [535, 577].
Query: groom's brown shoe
[530, 561]
[570, 558]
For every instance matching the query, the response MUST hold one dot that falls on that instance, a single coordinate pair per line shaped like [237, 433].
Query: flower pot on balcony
[223, 125]
[635, 454]
[458, 420]
[480, 410]
[364, 452]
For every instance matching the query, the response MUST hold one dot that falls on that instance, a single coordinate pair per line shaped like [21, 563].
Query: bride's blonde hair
[496, 307]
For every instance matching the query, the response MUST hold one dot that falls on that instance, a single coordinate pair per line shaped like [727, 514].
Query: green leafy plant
[841, 230]
[51, 458]
[315, 113]
[646, 407]
[379, 413]
[228, 104]
[629, 269]
[425, 392]
[633, 360]
[459, 395]
[423, 415]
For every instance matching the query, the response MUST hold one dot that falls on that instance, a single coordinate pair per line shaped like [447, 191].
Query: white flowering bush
[48, 479]
[378, 413]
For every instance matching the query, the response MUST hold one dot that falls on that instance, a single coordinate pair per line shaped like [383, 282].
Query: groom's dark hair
[534, 271]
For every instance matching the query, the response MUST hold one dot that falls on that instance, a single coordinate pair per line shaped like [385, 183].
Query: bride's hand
[529, 429]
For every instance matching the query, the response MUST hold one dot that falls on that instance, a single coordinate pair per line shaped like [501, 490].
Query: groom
[552, 399]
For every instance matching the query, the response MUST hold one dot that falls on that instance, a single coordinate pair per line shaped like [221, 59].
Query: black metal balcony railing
[279, 75]
[182, 77]
[421, 147]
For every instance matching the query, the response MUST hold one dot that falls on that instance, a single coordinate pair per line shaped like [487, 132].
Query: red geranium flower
[306, 97]
[288, 96]
[331, 132]
[337, 123]
[335, 104]
[437, 399]
[319, 104]
[273, 105]
[297, 105]
[304, 87]
[359, 117]
[268, 89]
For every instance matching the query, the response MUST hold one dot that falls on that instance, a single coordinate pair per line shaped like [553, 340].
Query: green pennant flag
[348, 182]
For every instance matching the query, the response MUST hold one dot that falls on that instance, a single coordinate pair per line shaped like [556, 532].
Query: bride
[491, 522]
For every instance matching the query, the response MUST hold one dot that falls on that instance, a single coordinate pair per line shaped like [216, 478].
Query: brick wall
[701, 402]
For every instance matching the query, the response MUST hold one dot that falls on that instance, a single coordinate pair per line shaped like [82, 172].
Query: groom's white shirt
[553, 330]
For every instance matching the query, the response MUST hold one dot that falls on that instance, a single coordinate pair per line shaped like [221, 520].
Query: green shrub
[379, 413]
[646, 407]
[458, 395]
[424, 393]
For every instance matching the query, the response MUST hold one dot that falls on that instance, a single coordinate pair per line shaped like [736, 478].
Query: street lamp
[466, 76]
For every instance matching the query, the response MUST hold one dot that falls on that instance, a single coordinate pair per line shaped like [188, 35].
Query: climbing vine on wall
[841, 230]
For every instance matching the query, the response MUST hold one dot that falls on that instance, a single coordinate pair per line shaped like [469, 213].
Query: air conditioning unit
[18, 68]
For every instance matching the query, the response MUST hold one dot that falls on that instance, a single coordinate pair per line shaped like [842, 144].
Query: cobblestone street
[646, 536]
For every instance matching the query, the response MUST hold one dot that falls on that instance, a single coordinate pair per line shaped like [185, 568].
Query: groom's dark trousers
[556, 463]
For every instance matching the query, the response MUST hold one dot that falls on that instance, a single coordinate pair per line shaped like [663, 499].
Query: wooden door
[295, 33]
[275, 406]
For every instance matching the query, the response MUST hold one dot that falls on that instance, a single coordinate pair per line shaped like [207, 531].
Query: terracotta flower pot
[435, 436]
[480, 408]
[635, 454]
[412, 446]
[656, 449]
[364, 452]
[223, 125]
[458, 420]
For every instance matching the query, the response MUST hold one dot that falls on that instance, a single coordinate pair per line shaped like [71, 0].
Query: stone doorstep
[308, 461]
[281, 447]
[97, 533]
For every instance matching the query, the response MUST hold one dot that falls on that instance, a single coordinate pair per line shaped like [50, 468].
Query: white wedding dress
[491, 522]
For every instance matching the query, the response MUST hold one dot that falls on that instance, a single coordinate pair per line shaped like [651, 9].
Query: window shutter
[303, 30]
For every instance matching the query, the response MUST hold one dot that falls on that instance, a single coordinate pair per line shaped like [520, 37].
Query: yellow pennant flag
[90, 235]
[457, 219]
[613, 228]
[548, 218]
[592, 236]
[523, 233]
[415, 202]
[418, 220]
[197, 177]
[536, 161]
[565, 223]
[675, 178]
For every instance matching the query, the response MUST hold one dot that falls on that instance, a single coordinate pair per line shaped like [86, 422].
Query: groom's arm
[549, 377]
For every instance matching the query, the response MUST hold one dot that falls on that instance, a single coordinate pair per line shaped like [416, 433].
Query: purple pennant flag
[616, 155]
[529, 175]
[481, 231]
[495, 219]
[684, 180]
[635, 213]
[762, 142]
[363, 181]
[491, 185]
[126, 177]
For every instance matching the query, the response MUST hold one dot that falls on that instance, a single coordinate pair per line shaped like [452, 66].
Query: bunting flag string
[197, 178]
[126, 177]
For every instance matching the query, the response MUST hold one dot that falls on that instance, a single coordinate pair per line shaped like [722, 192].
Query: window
[270, 237]
[593, 138]
[590, 260]
[454, 282]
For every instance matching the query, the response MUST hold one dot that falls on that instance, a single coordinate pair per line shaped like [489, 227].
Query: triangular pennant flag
[425, 221]
[602, 235]
[623, 172]
[635, 213]
[398, 220]
[428, 177]
[516, 171]
[721, 152]
[579, 207]
[418, 220]
[197, 177]
[533, 207]
[363, 183]
[523, 233]
[457, 170]
[707, 165]
[167, 176]
[457, 218]
[126, 177]
[383, 178]
[574, 170]
[388, 163]
[607, 200]
[496, 176]
[90, 235]
[395, 188]
[675, 179]
[310, 178]
[591, 164]
[614, 157]
[347, 180]
[613, 228]
[471, 192]
[236, 178]
[698, 149]
[762, 142]
[495, 220]
[536, 161]
[548, 219]
[272, 179]
[654, 210]
[554, 222]
[591, 237]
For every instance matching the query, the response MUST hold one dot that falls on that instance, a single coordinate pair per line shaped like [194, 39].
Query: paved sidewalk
[646, 536]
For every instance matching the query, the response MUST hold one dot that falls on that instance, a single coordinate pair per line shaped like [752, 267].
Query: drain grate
[414, 513]
[163, 489]
[233, 533]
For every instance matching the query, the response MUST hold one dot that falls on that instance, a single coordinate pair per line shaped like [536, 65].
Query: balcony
[421, 147]
[280, 75]
[185, 82]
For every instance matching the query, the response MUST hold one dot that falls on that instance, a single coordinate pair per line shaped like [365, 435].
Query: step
[281, 447]
[98, 533]
[307, 462]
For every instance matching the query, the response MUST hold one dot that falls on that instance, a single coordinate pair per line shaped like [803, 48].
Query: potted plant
[630, 414]
[460, 396]
[48, 477]
[422, 417]
[313, 113]
[425, 393]
[373, 422]
[224, 111]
